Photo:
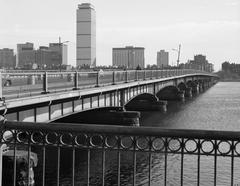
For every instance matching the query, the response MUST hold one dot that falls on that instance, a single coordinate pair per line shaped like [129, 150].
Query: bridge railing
[78, 154]
[16, 85]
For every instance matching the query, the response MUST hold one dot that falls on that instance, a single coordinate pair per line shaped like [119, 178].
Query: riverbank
[229, 80]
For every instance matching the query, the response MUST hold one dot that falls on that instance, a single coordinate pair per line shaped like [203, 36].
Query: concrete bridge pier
[188, 92]
[195, 88]
[201, 89]
[204, 85]
[207, 84]
[180, 95]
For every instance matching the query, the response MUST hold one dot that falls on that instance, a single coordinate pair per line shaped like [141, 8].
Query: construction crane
[178, 50]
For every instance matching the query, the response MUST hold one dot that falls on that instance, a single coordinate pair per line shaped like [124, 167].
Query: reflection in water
[215, 109]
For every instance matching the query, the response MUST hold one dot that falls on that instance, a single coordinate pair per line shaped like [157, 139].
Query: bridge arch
[143, 96]
[146, 102]
[191, 83]
[168, 93]
[182, 86]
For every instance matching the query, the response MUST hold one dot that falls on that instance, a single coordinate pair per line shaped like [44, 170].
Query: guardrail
[120, 155]
[16, 85]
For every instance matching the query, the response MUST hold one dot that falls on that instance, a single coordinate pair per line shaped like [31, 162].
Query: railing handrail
[94, 72]
[122, 130]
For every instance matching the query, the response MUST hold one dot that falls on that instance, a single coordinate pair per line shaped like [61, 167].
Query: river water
[218, 108]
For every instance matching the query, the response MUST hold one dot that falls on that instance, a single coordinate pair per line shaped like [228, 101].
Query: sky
[208, 27]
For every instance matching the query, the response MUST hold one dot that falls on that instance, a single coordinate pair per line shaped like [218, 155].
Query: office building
[7, 58]
[52, 57]
[198, 63]
[231, 67]
[61, 49]
[26, 55]
[86, 35]
[162, 59]
[129, 57]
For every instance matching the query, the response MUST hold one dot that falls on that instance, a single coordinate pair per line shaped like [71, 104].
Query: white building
[129, 57]
[86, 35]
[162, 59]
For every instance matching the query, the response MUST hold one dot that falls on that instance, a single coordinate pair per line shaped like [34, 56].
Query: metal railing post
[151, 74]
[144, 75]
[157, 74]
[1, 157]
[2, 146]
[126, 76]
[1, 88]
[113, 78]
[76, 81]
[136, 75]
[97, 80]
[45, 83]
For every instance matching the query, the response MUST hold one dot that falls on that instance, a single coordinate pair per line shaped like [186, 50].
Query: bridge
[43, 115]
[50, 96]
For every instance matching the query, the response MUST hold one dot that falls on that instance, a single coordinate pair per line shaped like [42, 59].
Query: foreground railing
[72, 154]
[25, 84]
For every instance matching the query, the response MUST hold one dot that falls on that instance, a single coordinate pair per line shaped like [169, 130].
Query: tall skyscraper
[162, 59]
[86, 35]
[128, 57]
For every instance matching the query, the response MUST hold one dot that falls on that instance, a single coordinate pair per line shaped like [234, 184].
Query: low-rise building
[50, 57]
[7, 58]
[231, 67]
[198, 63]
[129, 57]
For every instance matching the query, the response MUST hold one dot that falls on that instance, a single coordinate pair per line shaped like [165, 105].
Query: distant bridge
[50, 96]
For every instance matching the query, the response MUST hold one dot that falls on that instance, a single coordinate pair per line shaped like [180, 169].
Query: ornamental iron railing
[80, 154]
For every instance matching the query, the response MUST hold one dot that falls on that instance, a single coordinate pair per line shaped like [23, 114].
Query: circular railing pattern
[158, 144]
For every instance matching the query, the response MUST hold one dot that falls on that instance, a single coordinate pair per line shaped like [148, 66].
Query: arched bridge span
[50, 107]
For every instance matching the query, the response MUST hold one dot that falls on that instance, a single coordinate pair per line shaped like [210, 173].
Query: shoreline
[229, 80]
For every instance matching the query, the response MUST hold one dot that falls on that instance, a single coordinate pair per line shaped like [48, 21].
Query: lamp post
[60, 44]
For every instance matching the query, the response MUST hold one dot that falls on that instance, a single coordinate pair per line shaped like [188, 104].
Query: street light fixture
[60, 44]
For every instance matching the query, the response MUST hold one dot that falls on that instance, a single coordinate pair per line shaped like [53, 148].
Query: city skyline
[202, 27]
